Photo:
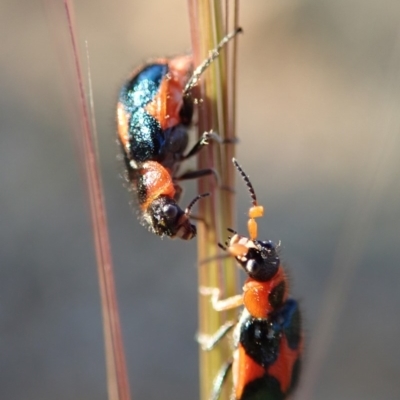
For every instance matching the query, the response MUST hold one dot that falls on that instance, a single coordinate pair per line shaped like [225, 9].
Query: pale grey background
[318, 118]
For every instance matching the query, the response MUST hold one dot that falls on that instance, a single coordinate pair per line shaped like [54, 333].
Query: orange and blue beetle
[154, 113]
[267, 339]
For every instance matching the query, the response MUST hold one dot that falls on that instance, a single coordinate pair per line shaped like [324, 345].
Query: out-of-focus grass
[318, 104]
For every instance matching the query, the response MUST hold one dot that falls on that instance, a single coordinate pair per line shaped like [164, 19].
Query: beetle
[154, 113]
[267, 338]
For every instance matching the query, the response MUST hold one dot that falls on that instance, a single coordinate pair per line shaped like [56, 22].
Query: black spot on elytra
[295, 375]
[265, 388]
[260, 339]
[275, 298]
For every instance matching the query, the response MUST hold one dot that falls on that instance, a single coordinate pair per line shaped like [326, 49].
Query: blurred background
[319, 123]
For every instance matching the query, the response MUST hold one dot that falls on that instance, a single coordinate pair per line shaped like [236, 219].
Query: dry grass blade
[117, 378]
[209, 24]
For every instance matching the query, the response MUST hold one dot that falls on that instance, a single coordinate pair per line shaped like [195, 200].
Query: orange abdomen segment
[245, 370]
[167, 104]
[155, 181]
[284, 368]
[122, 126]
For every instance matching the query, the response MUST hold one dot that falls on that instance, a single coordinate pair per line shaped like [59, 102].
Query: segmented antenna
[194, 79]
[221, 246]
[194, 201]
[256, 210]
[247, 181]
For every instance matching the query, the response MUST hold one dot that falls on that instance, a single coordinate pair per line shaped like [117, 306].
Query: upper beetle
[154, 112]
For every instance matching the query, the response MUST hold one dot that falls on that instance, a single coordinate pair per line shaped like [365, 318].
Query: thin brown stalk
[117, 377]
[217, 112]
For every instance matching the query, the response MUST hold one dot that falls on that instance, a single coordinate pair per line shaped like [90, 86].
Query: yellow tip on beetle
[256, 211]
[252, 227]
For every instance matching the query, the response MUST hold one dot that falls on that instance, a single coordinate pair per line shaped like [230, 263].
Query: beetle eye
[252, 267]
[170, 211]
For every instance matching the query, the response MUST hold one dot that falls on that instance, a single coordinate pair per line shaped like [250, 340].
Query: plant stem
[217, 112]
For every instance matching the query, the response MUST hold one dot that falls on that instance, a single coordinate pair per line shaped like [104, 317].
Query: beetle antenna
[255, 211]
[194, 79]
[221, 246]
[247, 181]
[194, 201]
